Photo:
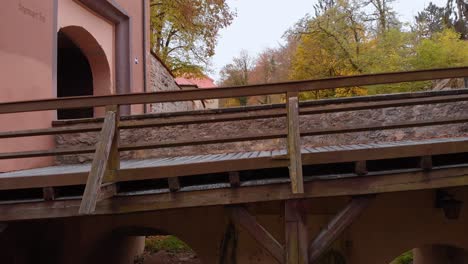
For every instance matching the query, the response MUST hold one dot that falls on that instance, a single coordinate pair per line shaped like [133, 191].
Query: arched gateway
[82, 69]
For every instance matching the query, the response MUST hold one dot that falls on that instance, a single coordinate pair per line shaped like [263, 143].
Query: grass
[406, 258]
[170, 244]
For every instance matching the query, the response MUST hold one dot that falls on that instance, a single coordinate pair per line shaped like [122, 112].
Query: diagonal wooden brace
[100, 165]
[294, 146]
[240, 216]
[337, 225]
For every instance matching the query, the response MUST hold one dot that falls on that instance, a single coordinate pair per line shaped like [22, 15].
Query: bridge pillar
[296, 233]
[440, 254]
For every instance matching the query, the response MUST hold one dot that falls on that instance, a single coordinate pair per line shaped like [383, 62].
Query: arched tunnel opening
[74, 76]
[154, 246]
[166, 249]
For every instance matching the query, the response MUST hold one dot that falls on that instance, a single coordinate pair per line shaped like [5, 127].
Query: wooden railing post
[105, 162]
[294, 144]
[114, 157]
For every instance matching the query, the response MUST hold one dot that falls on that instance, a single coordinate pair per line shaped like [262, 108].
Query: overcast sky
[260, 24]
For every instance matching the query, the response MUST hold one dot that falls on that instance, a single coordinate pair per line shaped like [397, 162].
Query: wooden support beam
[337, 225]
[101, 163]
[294, 145]
[360, 168]
[48, 193]
[296, 234]
[372, 184]
[108, 190]
[174, 184]
[234, 178]
[426, 163]
[243, 218]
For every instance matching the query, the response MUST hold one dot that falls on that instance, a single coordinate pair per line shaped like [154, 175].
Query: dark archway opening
[74, 77]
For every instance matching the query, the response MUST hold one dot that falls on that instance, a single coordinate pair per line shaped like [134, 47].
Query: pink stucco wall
[73, 14]
[134, 9]
[27, 58]
[26, 72]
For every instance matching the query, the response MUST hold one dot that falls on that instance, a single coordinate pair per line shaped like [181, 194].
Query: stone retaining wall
[161, 79]
[333, 120]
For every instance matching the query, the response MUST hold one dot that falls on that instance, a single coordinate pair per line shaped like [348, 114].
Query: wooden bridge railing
[106, 161]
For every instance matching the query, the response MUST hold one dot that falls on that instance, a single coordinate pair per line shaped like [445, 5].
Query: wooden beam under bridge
[336, 226]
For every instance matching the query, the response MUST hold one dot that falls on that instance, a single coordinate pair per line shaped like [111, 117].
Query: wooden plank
[154, 172]
[243, 218]
[128, 174]
[48, 193]
[295, 232]
[337, 225]
[50, 131]
[99, 166]
[360, 167]
[399, 125]
[174, 184]
[203, 118]
[279, 110]
[385, 101]
[47, 153]
[416, 150]
[426, 162]
[294, 146]
[219, 140]
[107, 191]
[234, 178]
[393, 182]
[113, 163]
[229, 92]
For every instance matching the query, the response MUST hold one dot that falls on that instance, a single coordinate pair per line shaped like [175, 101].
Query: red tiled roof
[203, 83]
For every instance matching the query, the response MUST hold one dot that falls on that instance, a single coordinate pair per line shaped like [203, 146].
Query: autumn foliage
[357, 37]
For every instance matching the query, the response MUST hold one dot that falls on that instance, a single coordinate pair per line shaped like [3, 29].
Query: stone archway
[81, 41]
[142, 245]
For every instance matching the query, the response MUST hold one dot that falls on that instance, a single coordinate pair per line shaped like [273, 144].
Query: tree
[237, 73]
[431, 20]
[330, 44]
[383, 14]
[185, 32]
[457, 11]
[444, 49]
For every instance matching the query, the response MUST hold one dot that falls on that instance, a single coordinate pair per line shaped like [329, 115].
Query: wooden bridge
[110, 186]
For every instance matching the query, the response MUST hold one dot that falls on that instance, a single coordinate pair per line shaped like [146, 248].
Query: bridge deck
[161, 168]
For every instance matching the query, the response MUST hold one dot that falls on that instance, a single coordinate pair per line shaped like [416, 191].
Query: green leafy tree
[431, 20]
[185, 32]
[444, 49]
[330, 44]
[237, 73]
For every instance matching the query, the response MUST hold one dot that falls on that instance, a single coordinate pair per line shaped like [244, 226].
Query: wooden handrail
[229, 92]
[50, 131]
[308, 108]
[230, 139]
